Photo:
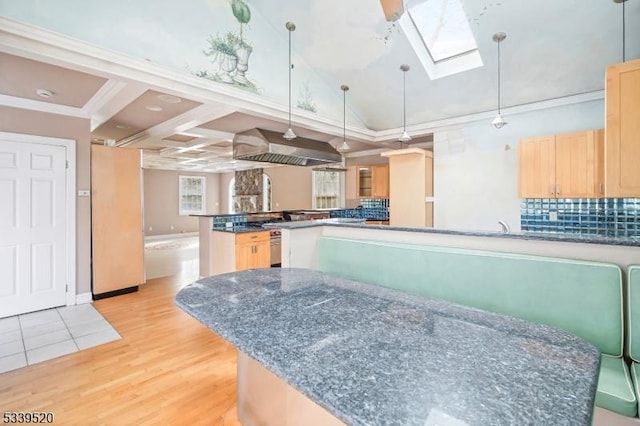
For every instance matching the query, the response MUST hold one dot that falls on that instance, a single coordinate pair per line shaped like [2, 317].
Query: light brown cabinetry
[569, 165]
[372, 181]
[410, 197]
[622, 156]
[238, 251]
[116, 220]
[253, 250]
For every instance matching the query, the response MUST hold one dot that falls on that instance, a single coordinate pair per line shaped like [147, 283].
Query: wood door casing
[116, 218]
[622, 155]
[536, 171]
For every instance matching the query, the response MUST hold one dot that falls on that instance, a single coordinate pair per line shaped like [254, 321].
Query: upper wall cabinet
[622, 156]
[568, 165]
[372, 181]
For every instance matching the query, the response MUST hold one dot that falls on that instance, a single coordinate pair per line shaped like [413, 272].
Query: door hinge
[66, 287]
[66, 164]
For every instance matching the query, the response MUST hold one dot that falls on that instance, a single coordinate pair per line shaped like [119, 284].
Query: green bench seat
[584, 298]
[633, 320]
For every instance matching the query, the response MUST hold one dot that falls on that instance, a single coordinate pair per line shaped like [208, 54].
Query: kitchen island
[368, 355]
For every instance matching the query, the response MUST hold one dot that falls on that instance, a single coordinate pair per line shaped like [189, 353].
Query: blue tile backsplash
[370, 208]
[611, 217]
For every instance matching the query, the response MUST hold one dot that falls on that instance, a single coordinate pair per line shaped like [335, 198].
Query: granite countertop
[240, 229]
[317, 222]
[571, 238]
[374, 356]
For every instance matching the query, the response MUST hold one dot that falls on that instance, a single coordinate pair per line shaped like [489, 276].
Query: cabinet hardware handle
[253, 236]
[601, 188]
[557, 189]
[552, 189]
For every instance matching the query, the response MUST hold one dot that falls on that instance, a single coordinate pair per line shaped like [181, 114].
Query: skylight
[439, 32]
[444, 28]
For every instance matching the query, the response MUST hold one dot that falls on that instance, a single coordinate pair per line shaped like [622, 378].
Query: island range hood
[270, 147]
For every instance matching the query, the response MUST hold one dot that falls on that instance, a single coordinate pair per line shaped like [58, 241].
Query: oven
[276, 247]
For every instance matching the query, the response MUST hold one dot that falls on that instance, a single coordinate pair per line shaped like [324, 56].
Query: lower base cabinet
[236, 252]
[253, 250]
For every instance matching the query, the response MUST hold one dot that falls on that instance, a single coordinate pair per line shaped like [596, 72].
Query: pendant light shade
[499, 121]
[345, 146]
[291, 27]
[405, 136]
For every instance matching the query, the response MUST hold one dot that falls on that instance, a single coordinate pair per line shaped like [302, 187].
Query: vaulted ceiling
[150, 73]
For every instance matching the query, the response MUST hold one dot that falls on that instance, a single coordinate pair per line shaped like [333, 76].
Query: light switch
[84, 193]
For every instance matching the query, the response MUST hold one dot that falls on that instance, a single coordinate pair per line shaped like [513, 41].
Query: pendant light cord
[498, 77]
[623, 34]
[404, 101]
[344, 115]
[289, 78]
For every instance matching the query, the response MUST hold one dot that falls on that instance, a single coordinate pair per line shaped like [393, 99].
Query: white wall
[476, 166]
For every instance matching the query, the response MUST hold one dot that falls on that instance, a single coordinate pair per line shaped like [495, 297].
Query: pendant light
[291, 27]
[345, 146]
[499, 122]
[405, 136]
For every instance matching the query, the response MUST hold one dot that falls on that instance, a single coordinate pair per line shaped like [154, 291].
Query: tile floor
[39, 336]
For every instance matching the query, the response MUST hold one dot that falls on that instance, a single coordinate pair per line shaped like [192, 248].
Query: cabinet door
[364, 182]
[244, 256]
[381, 181]
[262, 255]
[116, 218]
[579, 164]
[623, 130]
[536, 167]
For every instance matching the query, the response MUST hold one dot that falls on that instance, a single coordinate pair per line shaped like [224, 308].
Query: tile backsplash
[370, 208]
[611, 217]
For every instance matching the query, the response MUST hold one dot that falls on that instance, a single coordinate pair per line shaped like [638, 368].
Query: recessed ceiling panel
[21, 77]
[148, 110]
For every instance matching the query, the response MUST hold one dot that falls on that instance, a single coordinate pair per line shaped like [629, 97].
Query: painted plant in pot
[230, 53]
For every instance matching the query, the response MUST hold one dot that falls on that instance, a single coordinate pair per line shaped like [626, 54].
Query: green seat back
[633, 299]
[584, 298]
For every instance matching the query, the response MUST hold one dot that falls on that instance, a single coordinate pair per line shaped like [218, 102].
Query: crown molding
[31, 104]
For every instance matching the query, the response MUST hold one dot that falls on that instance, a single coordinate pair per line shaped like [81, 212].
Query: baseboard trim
[164, 236]
[115, 293]
[84, 298]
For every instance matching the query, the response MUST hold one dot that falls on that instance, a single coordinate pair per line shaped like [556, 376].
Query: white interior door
[33, 249]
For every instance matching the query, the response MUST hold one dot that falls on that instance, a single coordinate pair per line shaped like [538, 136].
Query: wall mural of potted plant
[230, 54]
[223, 55]
[242, 14]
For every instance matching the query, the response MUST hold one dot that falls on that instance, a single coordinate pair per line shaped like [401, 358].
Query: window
[191, 191]
[439, 32]
[328, 189]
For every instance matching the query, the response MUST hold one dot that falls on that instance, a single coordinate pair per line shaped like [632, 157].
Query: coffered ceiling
[148, 79]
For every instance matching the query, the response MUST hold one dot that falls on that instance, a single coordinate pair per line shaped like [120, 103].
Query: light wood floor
[166, 369]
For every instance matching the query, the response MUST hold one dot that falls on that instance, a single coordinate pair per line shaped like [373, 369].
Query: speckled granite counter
[239, 229]
[372, 356]
[588, 239]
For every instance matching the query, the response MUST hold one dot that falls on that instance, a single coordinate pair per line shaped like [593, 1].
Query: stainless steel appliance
[276, 247]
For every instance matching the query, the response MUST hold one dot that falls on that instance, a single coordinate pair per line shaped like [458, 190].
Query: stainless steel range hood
[270, 147]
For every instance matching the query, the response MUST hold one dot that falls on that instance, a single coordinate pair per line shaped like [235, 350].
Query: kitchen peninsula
[343, 351]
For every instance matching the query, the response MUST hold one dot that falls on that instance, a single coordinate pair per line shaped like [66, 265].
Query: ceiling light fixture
[345, 146]
[153, 108]
[288, 135]
[499, 122]
[44, 93]
[169, 99]
[393, 9]
[405, 136]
